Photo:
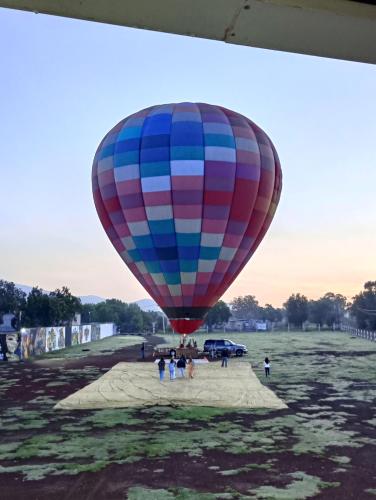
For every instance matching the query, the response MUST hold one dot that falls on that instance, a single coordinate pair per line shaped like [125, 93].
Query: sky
[64, 83]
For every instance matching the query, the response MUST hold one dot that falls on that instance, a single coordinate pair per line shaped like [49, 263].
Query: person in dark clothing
[181, 364]
[18, 349]
[267, 367]
[225, 355]
[161, 368]
[4, 346]
[143, 350]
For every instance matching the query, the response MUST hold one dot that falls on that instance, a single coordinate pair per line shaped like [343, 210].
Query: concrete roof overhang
[341, 29]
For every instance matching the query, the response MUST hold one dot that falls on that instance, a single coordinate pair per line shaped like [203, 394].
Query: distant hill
[91, 299]
[148, 305]
[143, 304]
[27, 289]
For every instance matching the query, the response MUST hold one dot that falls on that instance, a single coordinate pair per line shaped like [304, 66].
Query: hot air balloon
[186, 192]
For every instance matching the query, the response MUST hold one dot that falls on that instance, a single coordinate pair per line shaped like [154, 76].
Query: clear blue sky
[64, 83]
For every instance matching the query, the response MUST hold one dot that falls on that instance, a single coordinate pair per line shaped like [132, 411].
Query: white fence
[357, 332]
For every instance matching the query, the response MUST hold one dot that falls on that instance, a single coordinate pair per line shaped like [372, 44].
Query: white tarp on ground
[137, 385]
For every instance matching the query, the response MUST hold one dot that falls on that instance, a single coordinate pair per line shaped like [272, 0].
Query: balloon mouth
[185, 326]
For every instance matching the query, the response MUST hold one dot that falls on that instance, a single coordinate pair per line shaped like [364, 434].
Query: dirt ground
[322, 446]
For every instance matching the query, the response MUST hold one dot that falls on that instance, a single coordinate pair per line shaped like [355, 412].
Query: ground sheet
[138, 385]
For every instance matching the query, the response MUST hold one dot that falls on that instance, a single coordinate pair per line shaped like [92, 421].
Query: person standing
[212, 351]
[225, 355]
[143, 350]
[181, 364]
[18, 349]
[191, 367]
[267, 367]
[4, 346]
[171, 368]
[161, 368]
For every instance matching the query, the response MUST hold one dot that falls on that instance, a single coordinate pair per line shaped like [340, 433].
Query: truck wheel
[239, 353]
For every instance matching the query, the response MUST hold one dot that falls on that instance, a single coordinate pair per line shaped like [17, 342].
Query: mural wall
[36, 341]
[107, 330]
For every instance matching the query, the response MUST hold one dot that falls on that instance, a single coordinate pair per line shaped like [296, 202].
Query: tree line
[39, 308]
[331, 309]
[328, 311]
[128, 317]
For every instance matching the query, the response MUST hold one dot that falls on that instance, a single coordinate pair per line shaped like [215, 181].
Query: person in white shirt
[267, 367]
[171, 368]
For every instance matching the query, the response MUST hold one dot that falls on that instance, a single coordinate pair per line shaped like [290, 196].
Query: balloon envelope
[186, 192]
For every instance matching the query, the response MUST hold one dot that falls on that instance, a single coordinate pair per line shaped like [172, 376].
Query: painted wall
[36, 341]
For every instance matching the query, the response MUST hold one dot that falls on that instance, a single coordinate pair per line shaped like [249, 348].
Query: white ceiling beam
[341, 29]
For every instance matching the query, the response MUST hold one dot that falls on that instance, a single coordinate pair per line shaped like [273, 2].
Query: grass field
[322, 446]
[99, 347]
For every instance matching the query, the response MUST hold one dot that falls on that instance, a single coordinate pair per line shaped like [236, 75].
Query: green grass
[303, 486]
[338, 367]
[100, 347]
[299, 359]
[140, 493]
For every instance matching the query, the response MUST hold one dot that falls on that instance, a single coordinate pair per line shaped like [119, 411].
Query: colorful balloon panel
[186, 192]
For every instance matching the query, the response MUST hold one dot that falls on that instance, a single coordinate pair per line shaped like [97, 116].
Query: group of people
[180, 364]
[191, 343]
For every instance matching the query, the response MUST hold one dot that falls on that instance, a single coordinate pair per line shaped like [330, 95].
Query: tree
[109, 311]
[88, 313]
[364, 306]
[133, 320]
[297, 309]
[270, 313]
[37, 311]
[336, 310]
[246, 307]
[150, 317]
[328, 310]
[128, 317]
[220, 313]
[63, 306]
[12, 299]
[318, 311]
